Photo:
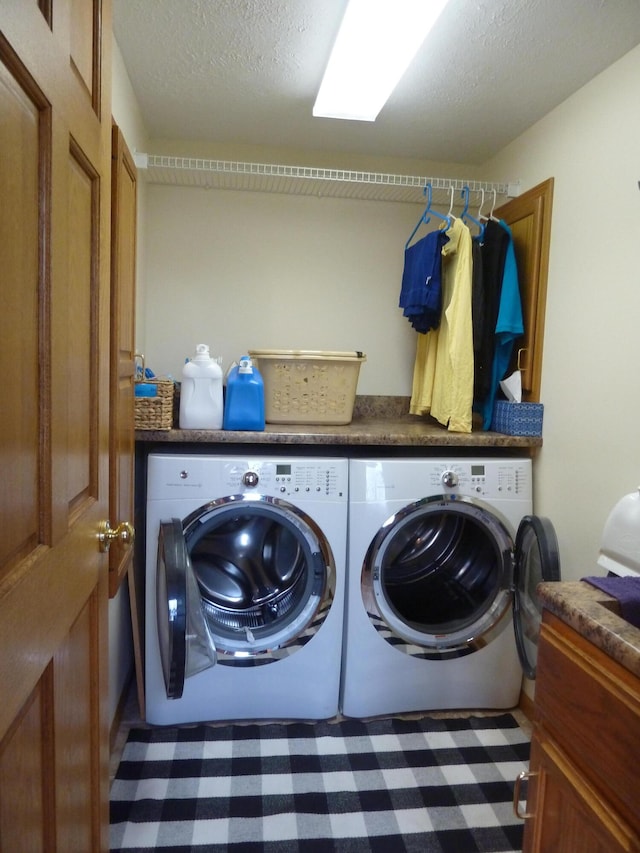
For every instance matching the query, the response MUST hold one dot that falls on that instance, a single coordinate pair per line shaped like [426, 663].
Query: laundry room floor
[414, 782]
[131, 719]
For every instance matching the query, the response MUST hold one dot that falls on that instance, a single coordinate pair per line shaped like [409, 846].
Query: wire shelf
[307, 180]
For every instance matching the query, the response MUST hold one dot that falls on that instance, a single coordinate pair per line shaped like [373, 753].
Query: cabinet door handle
[521, 353]
[524, 776]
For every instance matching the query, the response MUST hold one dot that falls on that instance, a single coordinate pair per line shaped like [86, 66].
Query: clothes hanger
[465, 215]
[450, 215]
[491, 216]
[480, 214]
[428, 213]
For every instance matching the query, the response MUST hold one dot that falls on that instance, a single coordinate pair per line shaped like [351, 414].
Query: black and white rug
[430, 785]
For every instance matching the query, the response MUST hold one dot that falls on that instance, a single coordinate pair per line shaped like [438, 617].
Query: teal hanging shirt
[509, 327]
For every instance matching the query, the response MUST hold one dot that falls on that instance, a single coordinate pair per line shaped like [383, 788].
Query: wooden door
[529, 217]
[54, 362]
[123, 284]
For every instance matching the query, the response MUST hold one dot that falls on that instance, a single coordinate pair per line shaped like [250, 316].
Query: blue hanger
[427, 214]
[465, 215]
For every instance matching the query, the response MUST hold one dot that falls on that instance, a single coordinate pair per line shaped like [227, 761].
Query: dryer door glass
[440, 573]
[186, 645]
[265, 575]
[536, 559]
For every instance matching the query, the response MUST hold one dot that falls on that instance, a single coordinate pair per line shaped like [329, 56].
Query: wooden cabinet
[585, 750]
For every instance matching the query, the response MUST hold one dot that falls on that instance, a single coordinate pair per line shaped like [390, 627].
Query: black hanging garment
[493, 253]
[478, 306]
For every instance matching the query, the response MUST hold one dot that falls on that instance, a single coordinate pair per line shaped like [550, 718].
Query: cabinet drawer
[591, 706]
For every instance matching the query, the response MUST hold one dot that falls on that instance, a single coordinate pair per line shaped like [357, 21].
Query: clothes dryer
[245, 580]
[444, 558]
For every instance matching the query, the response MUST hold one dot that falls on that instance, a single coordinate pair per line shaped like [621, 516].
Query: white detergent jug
[201, 392]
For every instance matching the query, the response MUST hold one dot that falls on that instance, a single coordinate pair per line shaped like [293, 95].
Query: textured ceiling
[247, 72]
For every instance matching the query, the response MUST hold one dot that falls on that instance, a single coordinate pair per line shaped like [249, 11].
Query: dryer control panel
[495, 479]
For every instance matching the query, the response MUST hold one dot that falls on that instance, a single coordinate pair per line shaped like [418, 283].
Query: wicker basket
[308, 386]
[155, 412]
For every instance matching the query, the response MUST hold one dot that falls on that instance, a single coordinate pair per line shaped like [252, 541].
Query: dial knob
[250, 478]
[450, 479]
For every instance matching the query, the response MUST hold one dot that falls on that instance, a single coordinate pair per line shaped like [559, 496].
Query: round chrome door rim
[483, 627]
[243, 645]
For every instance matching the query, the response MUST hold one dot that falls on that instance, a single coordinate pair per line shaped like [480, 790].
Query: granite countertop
[594, 615]
[376, 421]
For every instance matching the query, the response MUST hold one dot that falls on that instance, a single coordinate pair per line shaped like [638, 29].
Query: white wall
[248, 270]
[243, 271]
[590, 388]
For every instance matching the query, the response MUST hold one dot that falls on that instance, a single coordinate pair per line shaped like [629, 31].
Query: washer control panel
[207, 477]
[287, 478]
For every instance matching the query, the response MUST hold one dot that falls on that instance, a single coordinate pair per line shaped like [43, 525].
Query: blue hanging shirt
[421, 291]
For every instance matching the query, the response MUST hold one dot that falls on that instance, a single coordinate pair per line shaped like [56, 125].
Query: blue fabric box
[517, 418]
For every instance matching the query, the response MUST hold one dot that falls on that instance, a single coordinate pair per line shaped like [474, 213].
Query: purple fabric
[626, 590]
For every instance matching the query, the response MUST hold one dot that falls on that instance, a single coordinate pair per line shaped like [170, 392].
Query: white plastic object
[201, 402]
[620, 544]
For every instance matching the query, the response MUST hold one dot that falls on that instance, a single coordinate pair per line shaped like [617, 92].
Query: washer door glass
[537, 559]
[437, 577]
[265, 574]
[186, 645]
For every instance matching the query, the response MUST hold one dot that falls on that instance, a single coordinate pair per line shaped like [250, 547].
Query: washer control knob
[450, 479]
[250, 478]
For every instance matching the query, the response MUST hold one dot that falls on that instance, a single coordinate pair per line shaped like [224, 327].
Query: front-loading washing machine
[245, 582]
[444, 558]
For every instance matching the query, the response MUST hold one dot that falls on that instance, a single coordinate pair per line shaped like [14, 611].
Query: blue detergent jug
[244, 404]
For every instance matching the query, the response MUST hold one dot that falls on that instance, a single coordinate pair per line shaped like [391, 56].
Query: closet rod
[227, 174]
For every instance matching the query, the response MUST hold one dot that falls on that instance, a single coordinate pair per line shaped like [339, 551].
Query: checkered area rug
[429, 785]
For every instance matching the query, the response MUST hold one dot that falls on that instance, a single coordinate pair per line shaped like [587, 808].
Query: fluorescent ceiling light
[375, 44]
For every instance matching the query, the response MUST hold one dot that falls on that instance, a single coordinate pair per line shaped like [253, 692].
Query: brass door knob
[106, 534]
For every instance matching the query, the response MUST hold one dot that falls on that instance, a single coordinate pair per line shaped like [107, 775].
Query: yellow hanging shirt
[443, 371]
